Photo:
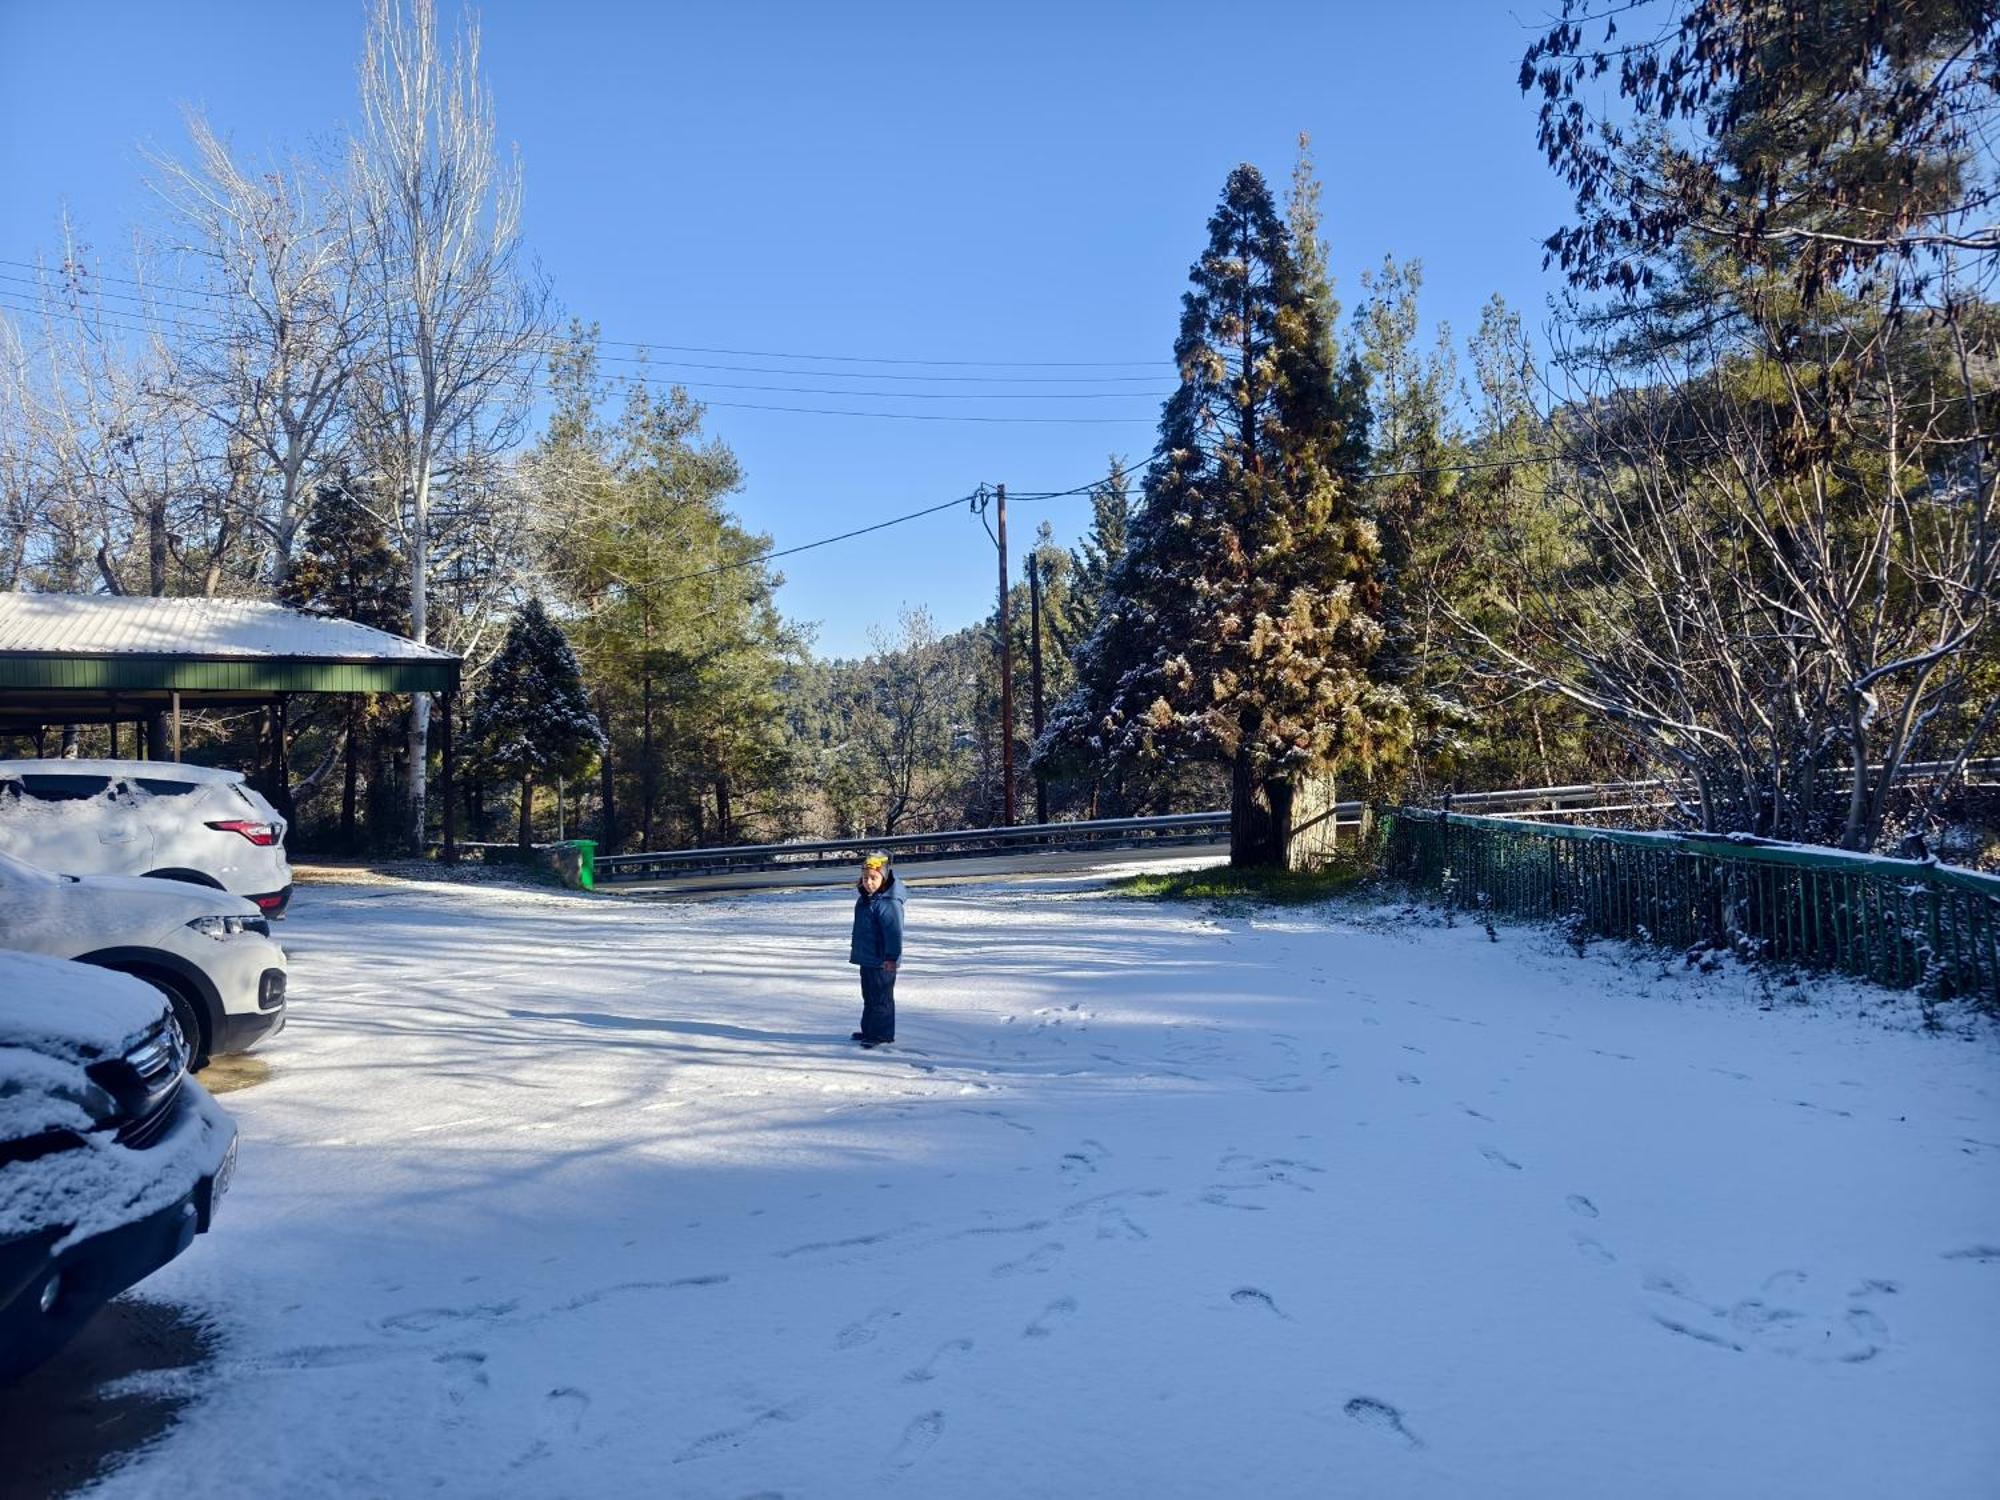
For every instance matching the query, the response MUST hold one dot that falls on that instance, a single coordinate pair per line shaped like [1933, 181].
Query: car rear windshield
[50, 788]
[162, 788]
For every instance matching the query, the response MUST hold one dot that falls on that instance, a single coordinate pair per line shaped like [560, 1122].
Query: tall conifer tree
[534, 720]
[1239, 625]
[346, 567]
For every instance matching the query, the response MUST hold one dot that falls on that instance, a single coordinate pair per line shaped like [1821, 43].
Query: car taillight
[271, 902]
[263, 835]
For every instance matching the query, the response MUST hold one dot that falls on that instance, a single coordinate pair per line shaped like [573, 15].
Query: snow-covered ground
[554, 1196]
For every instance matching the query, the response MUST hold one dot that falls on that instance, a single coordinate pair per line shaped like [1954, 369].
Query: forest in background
[1733, 526]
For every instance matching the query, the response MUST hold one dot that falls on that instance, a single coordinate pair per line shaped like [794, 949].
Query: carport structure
[108, 659]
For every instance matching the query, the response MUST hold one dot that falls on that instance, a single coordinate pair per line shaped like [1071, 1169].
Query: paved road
[932, 871]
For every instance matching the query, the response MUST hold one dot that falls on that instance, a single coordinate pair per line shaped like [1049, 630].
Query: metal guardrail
[1904, 923]
[1657, 795]
[1180, 830]
[1582, 800]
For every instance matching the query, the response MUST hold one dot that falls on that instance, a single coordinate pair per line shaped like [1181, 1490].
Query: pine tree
[534, 720]
[346, 567]
[1110, 531]
[1239, 624]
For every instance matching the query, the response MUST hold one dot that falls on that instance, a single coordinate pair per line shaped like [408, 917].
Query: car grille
[160, 1065]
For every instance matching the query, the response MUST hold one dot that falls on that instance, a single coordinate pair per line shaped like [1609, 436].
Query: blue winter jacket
[878, 926]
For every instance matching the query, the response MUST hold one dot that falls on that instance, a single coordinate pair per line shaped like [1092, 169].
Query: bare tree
[1786, 563]
[269, 328]
[103, 441]
[454, 322]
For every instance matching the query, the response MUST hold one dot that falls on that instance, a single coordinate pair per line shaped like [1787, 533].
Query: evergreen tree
[1239, 626]
[533, 721]
[676, 620]
[1100, 552]
[346, 567]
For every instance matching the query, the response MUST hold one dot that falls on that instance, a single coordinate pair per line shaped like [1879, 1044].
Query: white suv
[146, 817]
[210, 953]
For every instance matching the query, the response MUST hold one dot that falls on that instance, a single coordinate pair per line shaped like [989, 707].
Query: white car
[111, 1159]
[210, 953]
[146, 817]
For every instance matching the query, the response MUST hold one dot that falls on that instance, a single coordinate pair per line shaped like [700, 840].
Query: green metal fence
[1898, 922]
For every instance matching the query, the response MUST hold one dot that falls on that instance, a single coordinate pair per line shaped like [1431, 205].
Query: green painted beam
[39, 671]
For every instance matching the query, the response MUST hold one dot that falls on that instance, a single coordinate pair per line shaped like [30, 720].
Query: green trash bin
[576, 863]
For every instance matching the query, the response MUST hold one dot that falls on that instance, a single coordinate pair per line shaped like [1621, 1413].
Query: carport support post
[177, 725]
[281, 770]
[449, 782]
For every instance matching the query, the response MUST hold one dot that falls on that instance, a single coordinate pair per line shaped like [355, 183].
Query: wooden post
[449, 788]
[1006, 679]
[281, 769]
[177, 725]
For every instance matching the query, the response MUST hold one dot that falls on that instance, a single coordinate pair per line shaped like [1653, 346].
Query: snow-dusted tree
[533, 721]
[1784, 572]
[267, 258]
[1240, 624]
[455, 321]
[118, 458]
[344, 566]
[905, 727]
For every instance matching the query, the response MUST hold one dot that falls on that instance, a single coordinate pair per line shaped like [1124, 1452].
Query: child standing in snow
[877, 947]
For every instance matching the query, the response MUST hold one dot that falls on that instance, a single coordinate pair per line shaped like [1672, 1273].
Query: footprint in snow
[1988, 1253]
[464, 1375]
[561, 1418]
[1500, 1158]
[1381, 1415]
[1787, 1320]
[1042, 1258]
[1219, 1197]
[918, 1439]
[727, 1438]
[1052, 1316]
[864, 1330]
[1408, 1078]
[927, 1371]
[1250, 1296]
[1578, 1204]
[429, 1319]
[1116, 1224]
[1593, 1250]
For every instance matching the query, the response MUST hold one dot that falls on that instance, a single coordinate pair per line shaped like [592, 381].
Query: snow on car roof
[109, 625]
[71, 1009]
[157, 770]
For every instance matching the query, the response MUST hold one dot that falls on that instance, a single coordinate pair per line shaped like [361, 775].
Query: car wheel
[186, 1020]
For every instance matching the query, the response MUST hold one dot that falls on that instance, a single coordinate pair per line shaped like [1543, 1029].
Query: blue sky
[911, 182]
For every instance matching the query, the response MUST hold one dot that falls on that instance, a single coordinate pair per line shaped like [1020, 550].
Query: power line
[895, 416]
[852, 359]
[825, 541]
[146, 308]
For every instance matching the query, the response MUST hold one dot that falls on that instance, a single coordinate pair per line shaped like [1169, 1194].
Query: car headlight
[95, 1100]
[222, 928]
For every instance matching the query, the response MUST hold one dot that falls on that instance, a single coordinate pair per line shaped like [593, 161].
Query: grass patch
[1232, 888]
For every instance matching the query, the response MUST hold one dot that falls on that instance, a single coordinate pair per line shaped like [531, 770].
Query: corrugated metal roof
[210, 629]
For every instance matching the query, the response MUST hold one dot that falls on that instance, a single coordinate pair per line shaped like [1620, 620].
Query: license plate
[223, 1175]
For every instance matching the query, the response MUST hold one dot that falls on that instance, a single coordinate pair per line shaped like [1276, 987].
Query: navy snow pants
[878, 1005]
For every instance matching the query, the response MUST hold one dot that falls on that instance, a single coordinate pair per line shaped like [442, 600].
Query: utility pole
[1034, 561]
[1006, 676]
